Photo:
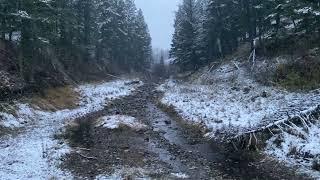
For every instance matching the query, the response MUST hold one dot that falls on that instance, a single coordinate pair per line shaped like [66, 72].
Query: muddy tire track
[165, 147]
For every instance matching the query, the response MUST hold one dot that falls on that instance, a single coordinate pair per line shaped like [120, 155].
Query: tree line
[206, 30]
[76, 34]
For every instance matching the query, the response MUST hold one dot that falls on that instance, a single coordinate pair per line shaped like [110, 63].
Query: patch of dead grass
[57, 99]
[302, 74]
[9, 108]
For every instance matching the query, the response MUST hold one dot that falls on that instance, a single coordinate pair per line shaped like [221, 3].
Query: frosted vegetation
[227, 101]
[53, 43]
[116, 121]
[33, 153]
[298, 146]
[234, 102]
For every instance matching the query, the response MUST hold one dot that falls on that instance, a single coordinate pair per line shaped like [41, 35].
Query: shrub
[303, 74]
[316, 163]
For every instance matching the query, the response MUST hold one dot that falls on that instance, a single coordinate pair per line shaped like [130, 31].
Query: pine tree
[221, 25]
[142, 43]
[74, 33]
[202, 32]
[184, 38]
[8, 23]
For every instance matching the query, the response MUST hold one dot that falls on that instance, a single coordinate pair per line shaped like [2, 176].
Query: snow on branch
[303, 120]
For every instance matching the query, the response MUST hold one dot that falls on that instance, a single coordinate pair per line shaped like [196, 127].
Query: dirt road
[166, 149]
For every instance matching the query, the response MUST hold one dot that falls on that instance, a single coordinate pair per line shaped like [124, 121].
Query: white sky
[159, 15]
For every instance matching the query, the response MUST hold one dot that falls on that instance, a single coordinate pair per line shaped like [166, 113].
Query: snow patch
[34, 153]
[116, 121]
[180, 175]
[93, 98]
[22, 14]
[229, 101]
[297, 147]
[22, 115]
[233, 101]
[124, 173]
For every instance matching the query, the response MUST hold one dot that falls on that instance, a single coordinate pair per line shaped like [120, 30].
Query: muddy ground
[166, 147]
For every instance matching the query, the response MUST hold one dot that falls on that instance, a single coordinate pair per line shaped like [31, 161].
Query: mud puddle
[173, 132]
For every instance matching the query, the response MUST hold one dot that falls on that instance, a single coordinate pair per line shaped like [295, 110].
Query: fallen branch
[245, 140]
[87, 157]
[114, 76]
[253, 59]
[84, 149]
[206, 73]
[236, 65]
[250, 56]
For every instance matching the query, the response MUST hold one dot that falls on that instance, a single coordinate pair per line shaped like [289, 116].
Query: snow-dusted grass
[116, 121]
[124, 173]
[298, 146]
[233, 101]
[34, 153]
[138, 173]
[180, 175]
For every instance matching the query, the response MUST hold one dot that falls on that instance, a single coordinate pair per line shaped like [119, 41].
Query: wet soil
[166, 147]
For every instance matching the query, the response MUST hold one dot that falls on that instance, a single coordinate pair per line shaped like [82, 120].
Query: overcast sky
[159, 15]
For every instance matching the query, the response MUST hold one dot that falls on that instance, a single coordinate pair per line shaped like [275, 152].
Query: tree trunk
[10, 36]
[3, 25]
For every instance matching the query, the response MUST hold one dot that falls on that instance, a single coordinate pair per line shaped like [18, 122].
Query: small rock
[167, 122]
[316, 163]
[253, 99]
[218, 121]
[132, 83]
[264, 94]
[235, 88]
[246, 90]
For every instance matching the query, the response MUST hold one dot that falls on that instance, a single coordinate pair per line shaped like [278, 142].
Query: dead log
[252, 140]
[87, 157]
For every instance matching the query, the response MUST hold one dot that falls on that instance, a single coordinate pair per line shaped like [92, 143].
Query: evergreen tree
[74, 33]
[202, 32]
[142, 43]
[184, 38]
[216, 27]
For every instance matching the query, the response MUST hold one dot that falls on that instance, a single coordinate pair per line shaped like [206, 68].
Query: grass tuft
[299, 75]
[57, 99]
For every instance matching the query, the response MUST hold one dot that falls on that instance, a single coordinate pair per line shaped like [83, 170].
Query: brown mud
[166, 147]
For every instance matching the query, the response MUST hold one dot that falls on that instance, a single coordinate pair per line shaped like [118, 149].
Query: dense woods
[206, 30]
[72, 38]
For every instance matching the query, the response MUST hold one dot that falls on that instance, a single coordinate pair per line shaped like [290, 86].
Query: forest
[64, 39]
[208, 30]
[159, 89]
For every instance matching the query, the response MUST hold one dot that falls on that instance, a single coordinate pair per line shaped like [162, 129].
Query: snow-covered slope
[34, 153]
[233, 101]
[229, 101]
[298, 145]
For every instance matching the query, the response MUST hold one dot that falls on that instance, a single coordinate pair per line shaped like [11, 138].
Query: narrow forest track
[166, 149]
